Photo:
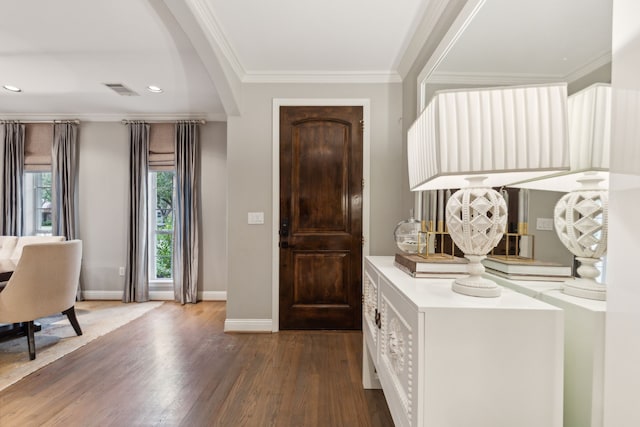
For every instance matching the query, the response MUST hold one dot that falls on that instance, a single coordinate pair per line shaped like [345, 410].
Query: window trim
[31, 194]
[152, 230]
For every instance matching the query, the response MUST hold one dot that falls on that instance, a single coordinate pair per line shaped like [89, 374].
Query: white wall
[249, 163]
[622, 354]
[103, 171]
[103, 175]
[213, 180]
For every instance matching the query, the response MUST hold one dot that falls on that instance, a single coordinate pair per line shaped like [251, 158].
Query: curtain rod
[75, 121]
[126, 122]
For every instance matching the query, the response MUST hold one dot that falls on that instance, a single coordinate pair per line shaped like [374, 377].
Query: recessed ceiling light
[154, 89]
[12, 88]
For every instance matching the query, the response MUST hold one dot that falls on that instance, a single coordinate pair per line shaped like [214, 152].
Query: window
[161, 225]
[37, 204]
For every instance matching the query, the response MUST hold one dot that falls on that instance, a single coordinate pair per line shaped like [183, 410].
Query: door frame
[275, 172]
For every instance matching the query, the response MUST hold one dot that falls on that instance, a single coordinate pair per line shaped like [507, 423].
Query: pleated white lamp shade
[581, 216]
[590, 128]
[507, 134]
[589, 115]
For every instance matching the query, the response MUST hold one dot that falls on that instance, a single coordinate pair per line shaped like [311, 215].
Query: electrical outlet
[121, 271]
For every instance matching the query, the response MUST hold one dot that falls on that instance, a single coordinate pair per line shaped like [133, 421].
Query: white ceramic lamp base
[586, 286]
[584, 289]
[476, 219]
[475, 285]
[581, 220]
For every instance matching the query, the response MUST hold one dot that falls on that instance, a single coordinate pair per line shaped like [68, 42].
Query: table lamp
[476, 139]
[581, 215]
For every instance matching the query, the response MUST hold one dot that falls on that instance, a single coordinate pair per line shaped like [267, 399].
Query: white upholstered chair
[44, 282]
[7, 245]
[23, 241]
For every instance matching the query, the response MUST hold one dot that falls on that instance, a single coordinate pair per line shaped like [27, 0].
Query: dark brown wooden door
[320, 217]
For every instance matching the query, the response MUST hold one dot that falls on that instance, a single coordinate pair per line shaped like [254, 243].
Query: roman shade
[37, 147]
[161, 146]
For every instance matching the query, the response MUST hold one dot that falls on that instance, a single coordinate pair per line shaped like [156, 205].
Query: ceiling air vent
[121, 89]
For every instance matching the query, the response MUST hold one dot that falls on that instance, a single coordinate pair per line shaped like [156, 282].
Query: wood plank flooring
[174, 366]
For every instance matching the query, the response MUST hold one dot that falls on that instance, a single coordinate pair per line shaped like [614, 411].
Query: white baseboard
[106, 295]
[248, 325]
[153, 295]
[161, 295]
[213, 295]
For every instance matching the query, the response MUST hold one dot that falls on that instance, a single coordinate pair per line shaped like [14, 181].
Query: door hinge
[362, 124]
[362, 240]
[363, 183]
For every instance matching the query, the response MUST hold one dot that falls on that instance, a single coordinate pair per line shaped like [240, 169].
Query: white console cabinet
[584, 336]
[450, 360]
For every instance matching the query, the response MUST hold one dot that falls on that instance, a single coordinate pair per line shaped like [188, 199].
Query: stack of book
[527, 269]
[436, 267]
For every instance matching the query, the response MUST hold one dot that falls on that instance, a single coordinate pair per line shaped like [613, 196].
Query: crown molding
[354, 77]
[424, 31]
[115, 117]
[492, 79]
[211, 27]
[516, 79]
[603, 59]
[210, 24]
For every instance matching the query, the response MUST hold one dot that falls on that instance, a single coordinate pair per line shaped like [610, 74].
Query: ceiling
[523, 41]
[62, 53]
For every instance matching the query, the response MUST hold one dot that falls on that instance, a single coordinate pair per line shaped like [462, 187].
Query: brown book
[418, 264]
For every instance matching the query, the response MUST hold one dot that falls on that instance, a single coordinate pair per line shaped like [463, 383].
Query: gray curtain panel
[64, 189]
[64, 173]
[186, 226]
[12, 178]
[136, 283]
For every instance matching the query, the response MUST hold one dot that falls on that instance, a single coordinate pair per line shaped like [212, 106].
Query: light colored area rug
[57, 338]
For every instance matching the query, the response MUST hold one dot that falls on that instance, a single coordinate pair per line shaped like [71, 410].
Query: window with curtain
[162, 247]
[37, 202]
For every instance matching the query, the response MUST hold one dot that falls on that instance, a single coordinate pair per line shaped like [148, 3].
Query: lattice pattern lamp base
[476, 218]
[581, 220]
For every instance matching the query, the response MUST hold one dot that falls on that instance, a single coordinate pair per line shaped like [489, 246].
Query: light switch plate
[255, 218]
[544, 224]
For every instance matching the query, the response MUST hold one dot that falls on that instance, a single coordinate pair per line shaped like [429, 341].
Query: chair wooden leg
[31, 340]
[71, 315]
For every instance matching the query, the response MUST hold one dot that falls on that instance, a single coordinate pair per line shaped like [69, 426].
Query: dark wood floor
[174, 366]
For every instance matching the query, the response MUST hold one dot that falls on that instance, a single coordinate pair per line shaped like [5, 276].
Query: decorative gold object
[516, 238]
[426, 234]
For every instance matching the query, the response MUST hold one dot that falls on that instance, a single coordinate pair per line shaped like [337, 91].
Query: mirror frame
[462, 21]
